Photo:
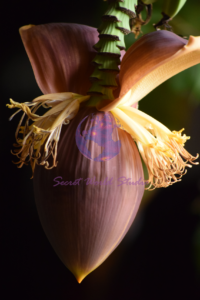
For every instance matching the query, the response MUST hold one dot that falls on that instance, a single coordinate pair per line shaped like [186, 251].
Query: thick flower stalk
[88, 200]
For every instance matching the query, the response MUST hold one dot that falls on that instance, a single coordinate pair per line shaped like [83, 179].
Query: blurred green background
[160, 256]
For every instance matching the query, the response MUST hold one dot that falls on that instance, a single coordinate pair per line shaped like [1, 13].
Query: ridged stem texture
[111, 41]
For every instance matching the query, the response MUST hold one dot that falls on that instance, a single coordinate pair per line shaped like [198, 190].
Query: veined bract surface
[85, 222]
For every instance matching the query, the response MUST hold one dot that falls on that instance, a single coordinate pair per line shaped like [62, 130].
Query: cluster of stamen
[39, 140]
[166, 164]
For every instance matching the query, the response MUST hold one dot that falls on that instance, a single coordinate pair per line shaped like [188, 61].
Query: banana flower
[85, 222]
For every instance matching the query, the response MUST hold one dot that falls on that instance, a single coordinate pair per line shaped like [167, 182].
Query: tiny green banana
[172, 7]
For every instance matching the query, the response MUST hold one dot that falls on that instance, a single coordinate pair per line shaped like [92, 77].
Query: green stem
[111, 41]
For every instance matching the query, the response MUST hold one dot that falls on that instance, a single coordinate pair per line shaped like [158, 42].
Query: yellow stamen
[161, 149]
[45, 130]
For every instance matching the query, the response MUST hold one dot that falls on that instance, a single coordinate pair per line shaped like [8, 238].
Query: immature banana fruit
[169, 11]
[172, 7]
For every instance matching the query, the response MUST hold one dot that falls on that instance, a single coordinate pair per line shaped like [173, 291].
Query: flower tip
[80, 277]
[26, 27]
[192, 40]
[79, 280]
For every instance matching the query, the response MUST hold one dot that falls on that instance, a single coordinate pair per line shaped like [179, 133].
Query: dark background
[160, 256]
